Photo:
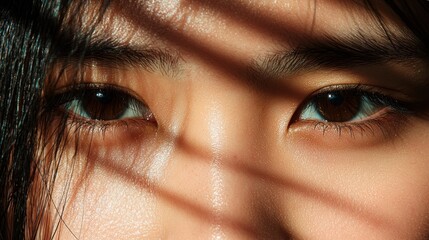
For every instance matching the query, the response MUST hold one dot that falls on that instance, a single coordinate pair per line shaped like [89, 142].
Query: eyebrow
[108, 52]
[340, 53]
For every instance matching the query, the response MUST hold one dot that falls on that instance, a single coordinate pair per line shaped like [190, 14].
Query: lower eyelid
[83, 125]
[87, 138]
[383, 127]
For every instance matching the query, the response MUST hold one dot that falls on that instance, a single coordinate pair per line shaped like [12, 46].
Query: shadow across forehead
[309, 50]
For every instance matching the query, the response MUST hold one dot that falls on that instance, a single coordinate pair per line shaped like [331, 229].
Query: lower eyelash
[388, 123]
[103, 126]
[87, 126]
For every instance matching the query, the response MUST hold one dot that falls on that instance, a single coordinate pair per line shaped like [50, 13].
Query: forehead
[244, 28]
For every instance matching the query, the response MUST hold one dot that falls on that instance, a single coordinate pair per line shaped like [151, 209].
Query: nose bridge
[223, 114]
[225, 122]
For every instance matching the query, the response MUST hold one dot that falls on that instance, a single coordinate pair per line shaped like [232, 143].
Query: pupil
[339, 106]
[335, 99]
[103, 97]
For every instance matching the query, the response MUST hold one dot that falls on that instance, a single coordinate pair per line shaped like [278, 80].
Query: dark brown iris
[104, 104]
[338, 106]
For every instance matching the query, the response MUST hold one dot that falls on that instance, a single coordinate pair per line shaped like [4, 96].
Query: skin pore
[218, 145]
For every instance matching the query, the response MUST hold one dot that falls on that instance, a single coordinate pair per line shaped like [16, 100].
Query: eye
[341, 105]
[104, 103]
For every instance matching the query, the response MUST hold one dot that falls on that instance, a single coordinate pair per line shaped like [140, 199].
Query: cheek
[379, 190]
[104, 191]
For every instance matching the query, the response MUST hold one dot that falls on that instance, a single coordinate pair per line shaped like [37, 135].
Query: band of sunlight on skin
[148, 215]
[156, 170]
[159, 162]
[155, 174]
[164, 10]
[161, 158]
[216, 132]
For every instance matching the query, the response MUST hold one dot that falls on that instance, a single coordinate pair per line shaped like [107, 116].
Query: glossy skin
[227, 159]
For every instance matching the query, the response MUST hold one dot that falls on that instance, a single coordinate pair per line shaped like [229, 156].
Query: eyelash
[394, 112]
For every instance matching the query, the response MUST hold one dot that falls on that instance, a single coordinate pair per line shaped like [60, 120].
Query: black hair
[32, 34]
[26, 30]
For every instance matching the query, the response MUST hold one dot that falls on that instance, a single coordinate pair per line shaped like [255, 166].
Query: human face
[239, 126]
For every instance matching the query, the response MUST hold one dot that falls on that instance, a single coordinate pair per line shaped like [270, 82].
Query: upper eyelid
[330, 88]
[364, 88]
[71, 92]
[337, 87]
[375, 94]
[86, 86]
